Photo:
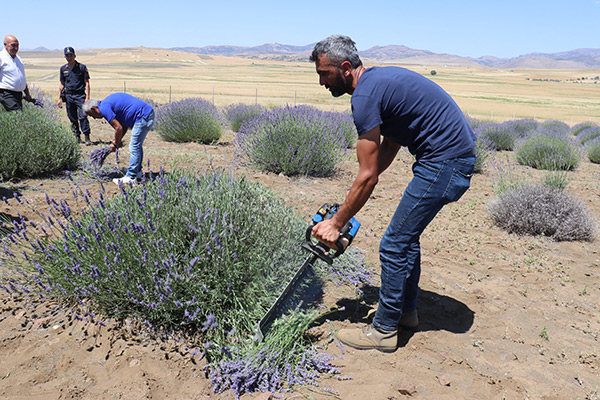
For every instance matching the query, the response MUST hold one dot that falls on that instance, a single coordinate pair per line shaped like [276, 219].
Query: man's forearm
[27, 94]
[359, 193]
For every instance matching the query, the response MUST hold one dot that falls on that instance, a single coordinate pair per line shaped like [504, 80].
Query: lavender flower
[98, 156]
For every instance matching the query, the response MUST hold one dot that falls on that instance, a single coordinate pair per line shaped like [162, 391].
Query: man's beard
[339, 86]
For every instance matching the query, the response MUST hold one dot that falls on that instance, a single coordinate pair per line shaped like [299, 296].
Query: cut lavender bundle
[98, 156]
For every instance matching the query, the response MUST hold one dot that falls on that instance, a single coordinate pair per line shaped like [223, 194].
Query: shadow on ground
[436, 312]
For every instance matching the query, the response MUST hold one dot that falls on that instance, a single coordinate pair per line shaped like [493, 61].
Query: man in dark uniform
[75, 80]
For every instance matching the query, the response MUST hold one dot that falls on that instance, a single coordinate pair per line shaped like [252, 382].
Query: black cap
[69, 50]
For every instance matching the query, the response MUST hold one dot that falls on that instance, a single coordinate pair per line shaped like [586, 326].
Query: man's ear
[346, 68]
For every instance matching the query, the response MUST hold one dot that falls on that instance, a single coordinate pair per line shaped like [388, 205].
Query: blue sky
[505, 28]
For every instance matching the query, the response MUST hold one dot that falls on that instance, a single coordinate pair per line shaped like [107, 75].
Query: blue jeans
[434, 185]
[136, 152]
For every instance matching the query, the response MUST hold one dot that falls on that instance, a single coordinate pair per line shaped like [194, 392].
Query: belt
[75, 91]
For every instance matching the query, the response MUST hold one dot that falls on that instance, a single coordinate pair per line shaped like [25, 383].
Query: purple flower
[98, 156]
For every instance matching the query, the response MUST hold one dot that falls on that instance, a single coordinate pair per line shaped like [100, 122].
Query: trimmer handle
[327, 211]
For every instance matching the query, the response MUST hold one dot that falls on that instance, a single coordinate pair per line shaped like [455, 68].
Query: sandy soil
[502, 317]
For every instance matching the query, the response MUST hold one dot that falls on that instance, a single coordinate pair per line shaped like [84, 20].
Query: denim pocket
[460, 180]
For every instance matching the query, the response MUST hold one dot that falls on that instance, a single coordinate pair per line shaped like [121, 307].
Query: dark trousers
[79, 120]
[12, 101]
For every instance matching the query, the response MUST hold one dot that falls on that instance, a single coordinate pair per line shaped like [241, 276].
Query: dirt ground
[502, 316]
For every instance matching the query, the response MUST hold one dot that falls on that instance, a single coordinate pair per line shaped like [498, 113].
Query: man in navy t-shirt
[394, 107]
[74, 87]
[125, 111]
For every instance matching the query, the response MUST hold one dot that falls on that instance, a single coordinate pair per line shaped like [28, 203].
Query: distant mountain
[271, 51]
[41, 48]
[574, 59]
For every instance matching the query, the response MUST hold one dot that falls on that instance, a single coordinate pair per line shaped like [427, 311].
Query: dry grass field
[164, 75]
[501, 316]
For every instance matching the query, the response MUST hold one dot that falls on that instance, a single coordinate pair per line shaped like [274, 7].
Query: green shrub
[474, 123]
[535, 209]
[189, 120]
[205, 255]
[239, 113]
[506, 177]
[588, 135]
[345, 123]
[298, 140]
[523, 127]
[581, 127]
[556, 179]
[34, 143]
[549, 151]
[593, 151]
[483, 150]
[553, 126]
[498, 136]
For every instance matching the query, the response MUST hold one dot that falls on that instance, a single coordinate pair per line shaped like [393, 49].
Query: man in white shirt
[12, 76]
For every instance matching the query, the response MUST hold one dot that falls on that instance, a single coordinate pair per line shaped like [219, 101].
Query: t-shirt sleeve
[86, 73]
[61, 75]
[366, 113]
[107, 112]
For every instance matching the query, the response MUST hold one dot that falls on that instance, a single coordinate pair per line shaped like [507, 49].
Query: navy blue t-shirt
[74, 78]
[412, 111]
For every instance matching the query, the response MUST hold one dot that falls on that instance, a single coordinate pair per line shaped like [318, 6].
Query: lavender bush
[204, 254]
[298, 140]
[523, 127]
[586, 135]
[554, 127]
[581, 127]
[189, 120]
[345, 122]
[593, 150]
[535, 209]
[499, 136]
[549, 150]
[474, 123]
[34, 142]
[483, 150]
[239, 113]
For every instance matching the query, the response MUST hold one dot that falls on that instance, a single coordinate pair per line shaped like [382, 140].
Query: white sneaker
[125, 181]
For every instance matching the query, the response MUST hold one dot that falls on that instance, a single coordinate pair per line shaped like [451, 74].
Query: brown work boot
[369, 338]
[409, 320]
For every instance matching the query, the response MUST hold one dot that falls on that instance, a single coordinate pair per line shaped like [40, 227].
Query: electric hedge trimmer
[317, 250]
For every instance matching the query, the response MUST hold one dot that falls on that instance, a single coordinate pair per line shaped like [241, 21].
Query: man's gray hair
[338, 48]
[87, 106]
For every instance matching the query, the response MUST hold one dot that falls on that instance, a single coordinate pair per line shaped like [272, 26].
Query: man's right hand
[59, 103]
